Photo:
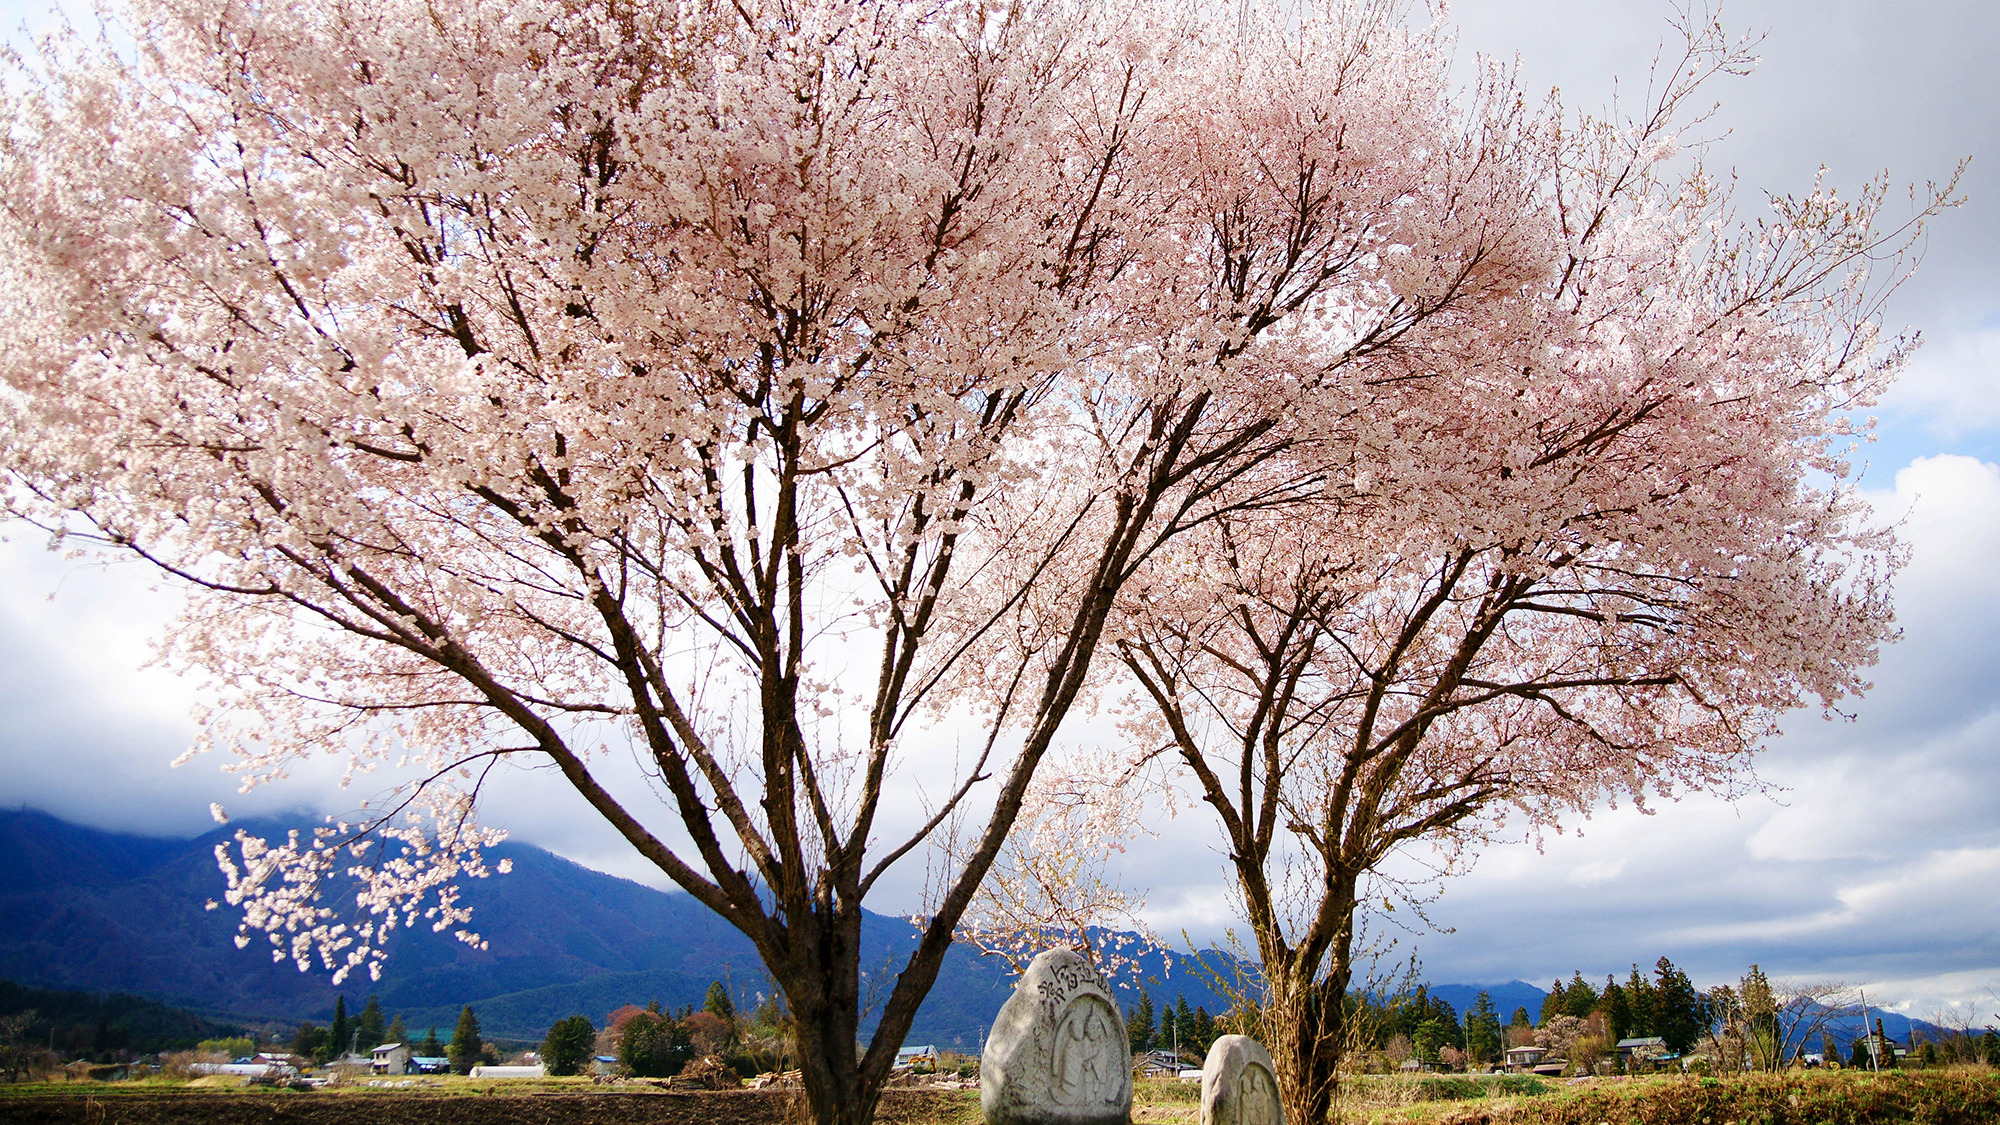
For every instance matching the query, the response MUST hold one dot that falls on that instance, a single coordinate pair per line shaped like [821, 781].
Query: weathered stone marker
[1058, 1054]
[1239, 1084]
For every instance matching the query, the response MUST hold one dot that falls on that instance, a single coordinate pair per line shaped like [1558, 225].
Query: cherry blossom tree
[764, 387]
[1588, 554]
[1055, 880]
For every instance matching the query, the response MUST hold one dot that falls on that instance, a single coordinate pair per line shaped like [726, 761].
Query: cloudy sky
[1873, 858]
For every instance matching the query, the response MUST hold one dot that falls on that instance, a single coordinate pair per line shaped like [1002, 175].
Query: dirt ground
[733, 1107]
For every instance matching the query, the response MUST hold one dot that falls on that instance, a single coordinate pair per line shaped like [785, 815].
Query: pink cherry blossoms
[774, 392]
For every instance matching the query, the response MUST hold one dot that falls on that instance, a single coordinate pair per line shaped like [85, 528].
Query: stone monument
[1058, 1054]
[1239, 1084]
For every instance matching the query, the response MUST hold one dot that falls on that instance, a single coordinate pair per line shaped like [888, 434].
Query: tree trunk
[1295, 1025]
[1305, 1016]
[822, 984]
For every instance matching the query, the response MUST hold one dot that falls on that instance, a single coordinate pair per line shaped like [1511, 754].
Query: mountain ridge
[108, 912]
[102, 911]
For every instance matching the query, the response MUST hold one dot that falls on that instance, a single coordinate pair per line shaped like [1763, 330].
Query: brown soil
[727, 1107]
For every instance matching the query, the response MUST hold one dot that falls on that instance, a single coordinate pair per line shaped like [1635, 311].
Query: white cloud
[1597, 871]
[1952, 386]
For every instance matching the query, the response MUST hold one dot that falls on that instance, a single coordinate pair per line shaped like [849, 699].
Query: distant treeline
[1667, 1005]
[105, 1025]
[1409, 1019]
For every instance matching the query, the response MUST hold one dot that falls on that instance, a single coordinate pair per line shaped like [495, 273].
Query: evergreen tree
[370, 1027]
[1438, 1009]
[1677, 1014]
[1430, 1038]
[339, 1036]
[1989, 1047]
[1829, 1051]
[1553, 1005]
[1617, 1013]
[396, 1033]
[718, 1003]
[566, 1050]
[309, 1041]
[1579, 999]
[1760, 1015]
[1205, 1034]
[1139, 1024]
[1482, 1029]
[1520, 1019]
[1639, 1003]
[431, 1048]
[1184, 1024]
[1168, 1035]
[465, 1043]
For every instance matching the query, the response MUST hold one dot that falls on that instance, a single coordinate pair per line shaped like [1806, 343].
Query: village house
[1643, 1052]
[390, 1058]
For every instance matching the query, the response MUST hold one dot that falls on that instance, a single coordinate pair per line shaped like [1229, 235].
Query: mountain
[87, 1023]
[1846, 1029]
[86, 909]
[1506, 997]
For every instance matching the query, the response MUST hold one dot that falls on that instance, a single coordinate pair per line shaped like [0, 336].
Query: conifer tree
[1677, 1016]
[465, 1042]
[1617, 1011]
[1184, 1024]
[369, 1027]
[718, 1003]
[339, 1035]
[397, 1033]
[1639, 1001]
[309, 1041]
[1482, 1029]
[431, 1047]
[1579, 999]
[1554, 1004]
[1139, 1024]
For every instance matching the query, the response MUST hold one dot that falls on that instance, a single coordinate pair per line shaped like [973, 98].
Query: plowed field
[735, 1107]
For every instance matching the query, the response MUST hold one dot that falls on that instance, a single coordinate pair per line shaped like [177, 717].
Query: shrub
[567, 1048]
[653, 1047]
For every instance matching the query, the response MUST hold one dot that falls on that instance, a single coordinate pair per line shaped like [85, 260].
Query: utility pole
[1874, 1041]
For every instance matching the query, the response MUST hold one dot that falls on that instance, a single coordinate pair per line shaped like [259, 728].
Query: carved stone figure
[1239, 1084]
[1058, 1053]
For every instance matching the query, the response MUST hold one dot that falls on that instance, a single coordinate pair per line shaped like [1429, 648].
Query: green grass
[1968, 1096]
